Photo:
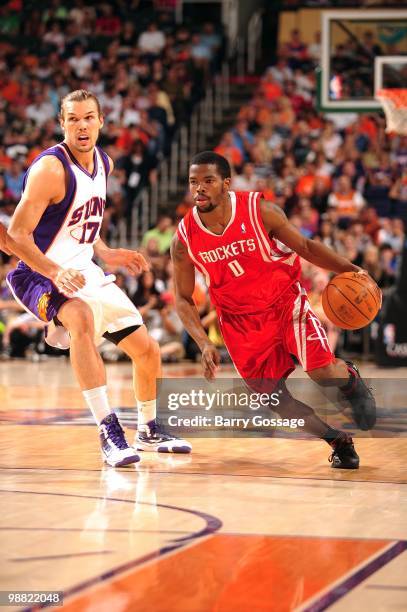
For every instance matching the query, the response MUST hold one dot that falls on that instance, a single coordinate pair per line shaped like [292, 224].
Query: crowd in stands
[147, 73]
[339, 178]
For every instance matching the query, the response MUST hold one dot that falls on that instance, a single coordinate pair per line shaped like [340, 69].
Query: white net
[394, 102]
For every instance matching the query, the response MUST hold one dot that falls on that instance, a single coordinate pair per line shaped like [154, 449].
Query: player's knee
[142, 348]
[77, 317]
[153, 350]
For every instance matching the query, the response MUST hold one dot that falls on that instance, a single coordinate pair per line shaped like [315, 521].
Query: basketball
[351, 300]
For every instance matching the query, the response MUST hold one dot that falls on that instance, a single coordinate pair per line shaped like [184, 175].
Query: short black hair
[209, 157]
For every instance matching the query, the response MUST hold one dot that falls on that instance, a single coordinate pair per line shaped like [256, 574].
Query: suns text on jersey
[92, 208]
[228, 250]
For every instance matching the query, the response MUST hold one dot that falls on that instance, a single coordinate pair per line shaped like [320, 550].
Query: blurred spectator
[296, 51]
[80, 62]
[13, 179]
[108, 24]
[146, 295]
[40, 110]
[314, 49]
[330, 141]
[228, 149]
[281, 71]
[246, 181]
[162, 233]
[243, 139]
[392, 234]
[270, 87]
[347, 201]
[152, 41]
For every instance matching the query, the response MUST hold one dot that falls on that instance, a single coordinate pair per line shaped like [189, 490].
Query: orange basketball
[351, 300]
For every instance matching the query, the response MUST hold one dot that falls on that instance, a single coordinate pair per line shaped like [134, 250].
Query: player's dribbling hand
[69, 281]
[210, 361]
[363, 272]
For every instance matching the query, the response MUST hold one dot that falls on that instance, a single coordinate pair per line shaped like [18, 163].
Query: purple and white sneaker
[151, 437]
[115, 450]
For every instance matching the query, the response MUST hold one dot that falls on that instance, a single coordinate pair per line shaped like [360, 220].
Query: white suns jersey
[68, 230]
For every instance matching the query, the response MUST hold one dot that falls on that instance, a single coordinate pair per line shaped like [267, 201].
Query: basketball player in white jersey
[55, 233]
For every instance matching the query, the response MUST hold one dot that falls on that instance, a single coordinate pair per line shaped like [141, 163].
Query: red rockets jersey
[245, 269]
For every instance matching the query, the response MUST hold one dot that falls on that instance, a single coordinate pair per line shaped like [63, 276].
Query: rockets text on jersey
[245, 269]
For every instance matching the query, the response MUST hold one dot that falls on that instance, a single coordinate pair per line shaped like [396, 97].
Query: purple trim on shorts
[54, 215]
[105, 161]
[78, 165]
[37, 293]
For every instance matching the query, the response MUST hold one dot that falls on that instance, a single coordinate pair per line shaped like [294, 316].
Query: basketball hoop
[394, 102]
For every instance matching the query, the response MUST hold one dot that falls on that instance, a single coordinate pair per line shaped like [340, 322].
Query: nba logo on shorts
[243, 228]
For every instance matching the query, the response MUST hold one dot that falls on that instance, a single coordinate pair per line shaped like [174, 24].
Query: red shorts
[261, 344]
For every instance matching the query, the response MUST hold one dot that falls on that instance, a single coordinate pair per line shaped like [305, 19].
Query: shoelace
[157, 430]
[340, 441]
[116, 434]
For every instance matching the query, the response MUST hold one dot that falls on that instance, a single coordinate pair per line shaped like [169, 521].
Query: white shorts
[112, 309]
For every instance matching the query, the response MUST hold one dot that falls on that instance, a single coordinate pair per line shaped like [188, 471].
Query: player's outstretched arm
[277, 224]
[45, 186]
[184, 282]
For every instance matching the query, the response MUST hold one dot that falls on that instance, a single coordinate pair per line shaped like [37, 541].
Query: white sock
[146, 411]
[98, 402]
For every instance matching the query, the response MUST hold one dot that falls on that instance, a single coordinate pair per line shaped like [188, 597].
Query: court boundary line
[227, 533]
[343, 586]
[213, 524]
[152, 471]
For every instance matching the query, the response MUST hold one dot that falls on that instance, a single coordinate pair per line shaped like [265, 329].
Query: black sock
[330, 435]
[293, 408]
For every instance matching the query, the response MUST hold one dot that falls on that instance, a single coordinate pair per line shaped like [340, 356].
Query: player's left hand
[366, 274]
[363, 272]
[133, 261]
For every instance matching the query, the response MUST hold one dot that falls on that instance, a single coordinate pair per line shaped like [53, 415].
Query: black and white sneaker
[343, 454]
[361, 399]
[152, 437]
[115, 450]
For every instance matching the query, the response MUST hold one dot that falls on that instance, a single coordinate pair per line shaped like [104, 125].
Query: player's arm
[111, 165]
[133, 261]
[184, 283]
[45, 186]
[4, 239]
[276, 223]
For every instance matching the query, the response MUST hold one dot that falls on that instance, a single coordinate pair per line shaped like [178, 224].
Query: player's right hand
[210, 361]
[69, 281]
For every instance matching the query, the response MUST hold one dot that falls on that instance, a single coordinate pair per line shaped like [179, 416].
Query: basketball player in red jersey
[250, 256]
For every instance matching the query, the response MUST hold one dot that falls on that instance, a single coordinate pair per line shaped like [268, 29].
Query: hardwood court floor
[240, 525]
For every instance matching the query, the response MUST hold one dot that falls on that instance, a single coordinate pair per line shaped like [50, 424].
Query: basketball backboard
[362, 51]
